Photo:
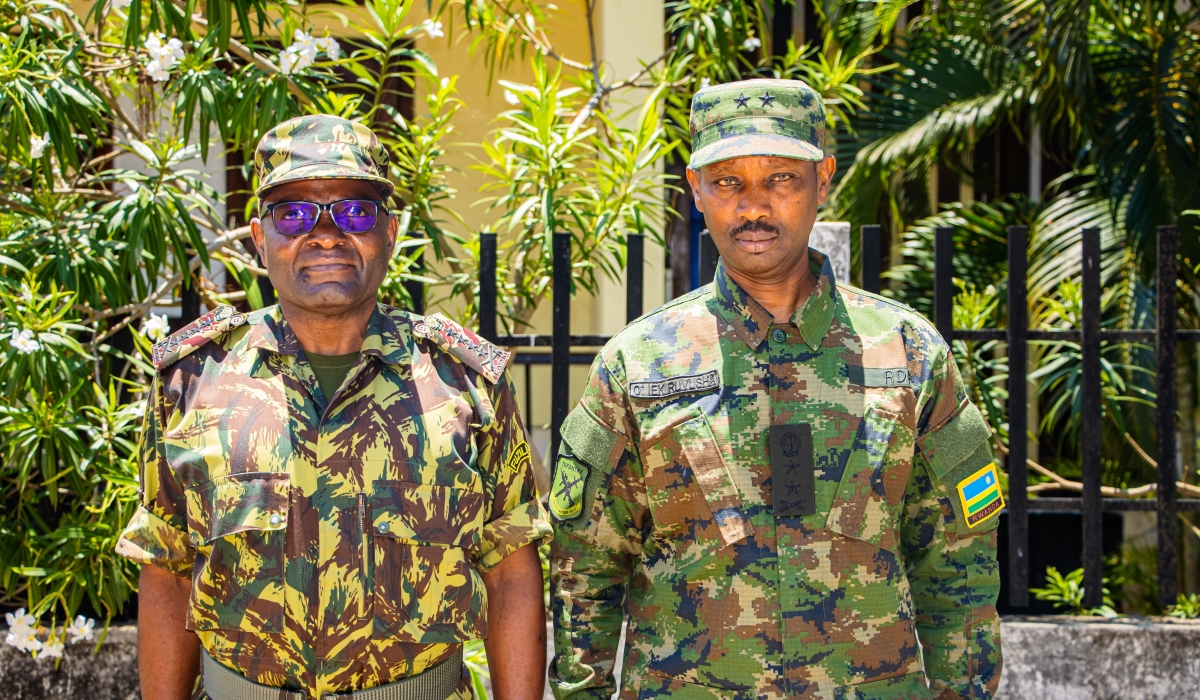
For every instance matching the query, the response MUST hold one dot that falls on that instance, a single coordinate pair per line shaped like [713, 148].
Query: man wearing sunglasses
[336, 494]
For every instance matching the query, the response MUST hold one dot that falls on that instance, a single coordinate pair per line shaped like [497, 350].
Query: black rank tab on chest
[792, 480]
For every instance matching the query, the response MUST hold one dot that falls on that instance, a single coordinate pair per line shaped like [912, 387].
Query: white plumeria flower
[511, 97]
[120, 4]
[157, 73]
[164, 54]
[21, 631]
[705, 82]
[37, 146]
[81, 629]
[751, 43]
[156, 328]
[433, 29]
[23, 341]
[19, 619]
[330, 47]
[289, 62]
[53, 650]
[304, 45]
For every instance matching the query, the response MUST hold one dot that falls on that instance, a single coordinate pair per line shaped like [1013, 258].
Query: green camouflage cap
[784, 118]
[321, 147]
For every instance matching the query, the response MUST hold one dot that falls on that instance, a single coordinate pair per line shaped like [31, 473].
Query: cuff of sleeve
[525, 524]
[148, 539]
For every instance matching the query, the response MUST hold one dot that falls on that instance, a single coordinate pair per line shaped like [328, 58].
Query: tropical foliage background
[90, 253]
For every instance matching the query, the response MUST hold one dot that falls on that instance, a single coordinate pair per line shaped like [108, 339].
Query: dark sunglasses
[349, 215]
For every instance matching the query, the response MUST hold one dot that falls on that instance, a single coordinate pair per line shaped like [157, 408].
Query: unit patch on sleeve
[518, 458]
[687, 384]
[566, 493]
[980, 495]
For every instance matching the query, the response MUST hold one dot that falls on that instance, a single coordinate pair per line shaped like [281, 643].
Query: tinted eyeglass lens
[295, 218]
[355, 215]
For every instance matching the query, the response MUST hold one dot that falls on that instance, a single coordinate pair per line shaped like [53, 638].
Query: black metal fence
[567, 349]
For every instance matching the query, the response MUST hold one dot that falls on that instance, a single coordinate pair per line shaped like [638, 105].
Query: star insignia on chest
[767, 98]
[741, 100]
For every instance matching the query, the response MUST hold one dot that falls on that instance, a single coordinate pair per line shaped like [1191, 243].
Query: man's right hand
[168, 653]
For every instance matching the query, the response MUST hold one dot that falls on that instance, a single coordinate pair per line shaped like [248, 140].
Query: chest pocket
[870, 494]
[425, 537]
[237, 524]
[696, 507]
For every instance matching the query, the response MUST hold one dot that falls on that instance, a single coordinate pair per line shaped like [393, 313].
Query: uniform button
[779, 335]
[383, 527]
[275, 519]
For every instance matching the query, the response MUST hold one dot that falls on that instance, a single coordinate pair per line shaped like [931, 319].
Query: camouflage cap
[784, 118]
[321, 147]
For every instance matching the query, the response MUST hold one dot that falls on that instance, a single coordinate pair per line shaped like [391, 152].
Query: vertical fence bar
[1093, 563]
[870, 257]
[1168, 567]
[708, 258]
[487, 285]
[529, 396]
[1018, 420]
[560, 369]
[634, 273]
[189, 302]
[943, 282]
[416, 290]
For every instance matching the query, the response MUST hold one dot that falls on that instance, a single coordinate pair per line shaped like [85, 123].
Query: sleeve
[948, 534]
[157, 533]
[600, 517]
[515, 515]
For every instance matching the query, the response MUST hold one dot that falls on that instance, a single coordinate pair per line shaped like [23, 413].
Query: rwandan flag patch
[980, 495]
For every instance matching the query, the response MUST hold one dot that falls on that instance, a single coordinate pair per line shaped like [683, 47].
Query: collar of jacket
[383, 340]
[751, 321]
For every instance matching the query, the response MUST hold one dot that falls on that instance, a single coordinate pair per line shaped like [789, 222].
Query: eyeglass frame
[381, 208]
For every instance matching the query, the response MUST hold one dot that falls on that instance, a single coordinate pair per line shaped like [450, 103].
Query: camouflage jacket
[662, 501]
[334, 543]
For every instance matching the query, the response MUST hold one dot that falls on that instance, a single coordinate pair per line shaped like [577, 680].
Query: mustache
[756, 225]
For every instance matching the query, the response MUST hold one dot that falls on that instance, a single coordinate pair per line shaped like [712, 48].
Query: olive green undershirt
[331, 370]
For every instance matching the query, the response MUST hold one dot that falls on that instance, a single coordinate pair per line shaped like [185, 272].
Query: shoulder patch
[467, 346]
[186, 340]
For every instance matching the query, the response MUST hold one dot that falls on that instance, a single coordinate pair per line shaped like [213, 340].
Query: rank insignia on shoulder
[518, 458]
[186, 340]
[980, 495]
[675, 386]
[566, 493]
[466, 345]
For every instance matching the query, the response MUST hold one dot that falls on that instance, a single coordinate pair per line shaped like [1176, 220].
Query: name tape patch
[980, 495]
[687, 384]
[879, 376]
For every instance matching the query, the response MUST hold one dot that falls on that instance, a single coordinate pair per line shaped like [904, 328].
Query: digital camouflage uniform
[334, 543]
[663, 497]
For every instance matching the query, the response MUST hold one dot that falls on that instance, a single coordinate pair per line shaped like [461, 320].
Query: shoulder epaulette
[467, 346]
[188, 339]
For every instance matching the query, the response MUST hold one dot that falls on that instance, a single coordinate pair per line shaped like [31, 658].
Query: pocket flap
[427, 514]
[870, 494]
[237, 503]
[712, 475]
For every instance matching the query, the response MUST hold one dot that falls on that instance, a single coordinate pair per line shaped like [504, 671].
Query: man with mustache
[336, 494]
[779, 477]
